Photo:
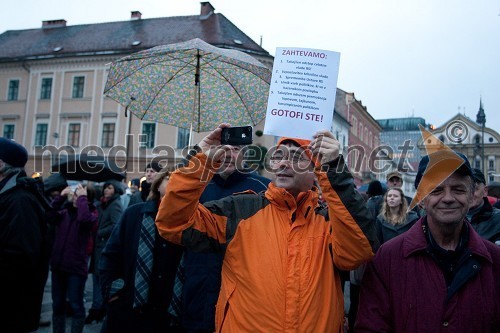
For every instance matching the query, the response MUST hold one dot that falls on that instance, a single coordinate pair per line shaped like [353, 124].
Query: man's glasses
[296, 157]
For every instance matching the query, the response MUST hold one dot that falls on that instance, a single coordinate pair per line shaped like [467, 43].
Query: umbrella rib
[140, 68]
[187, 63]
[236, 91]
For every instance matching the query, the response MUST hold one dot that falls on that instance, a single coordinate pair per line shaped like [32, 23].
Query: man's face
[448, 203]
[292, 169]
[395, 182]
[134, 188]
[232, 161]
[480, 192]
[150, 175]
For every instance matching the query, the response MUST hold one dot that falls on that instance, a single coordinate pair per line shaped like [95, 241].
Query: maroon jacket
[404, 290]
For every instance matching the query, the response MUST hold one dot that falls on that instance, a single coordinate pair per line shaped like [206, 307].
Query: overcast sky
[426, 58]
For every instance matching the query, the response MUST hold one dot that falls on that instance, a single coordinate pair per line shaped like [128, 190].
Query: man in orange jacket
[282, 249]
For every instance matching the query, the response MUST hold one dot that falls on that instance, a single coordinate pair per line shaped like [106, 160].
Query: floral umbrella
[191, 85]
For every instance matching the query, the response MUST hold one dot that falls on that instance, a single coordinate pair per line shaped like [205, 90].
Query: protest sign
[302, 93]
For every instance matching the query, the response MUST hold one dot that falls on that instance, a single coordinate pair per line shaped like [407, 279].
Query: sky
[401, 58]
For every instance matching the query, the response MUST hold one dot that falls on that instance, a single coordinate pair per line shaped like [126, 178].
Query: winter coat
[23, 253]
[386, 230]
[119, 261]
[282, 256]
[404, 289]
[202, 271]
[487, 222]
[69, 252]
[110, 213]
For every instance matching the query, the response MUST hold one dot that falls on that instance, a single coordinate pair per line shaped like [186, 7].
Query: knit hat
[375, 188]
[13, 153]
[302, 143]
[155, 166]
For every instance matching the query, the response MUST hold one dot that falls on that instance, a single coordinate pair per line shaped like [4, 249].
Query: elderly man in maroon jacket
[440, 276]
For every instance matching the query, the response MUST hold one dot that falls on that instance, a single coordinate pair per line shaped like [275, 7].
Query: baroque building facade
[52, 81]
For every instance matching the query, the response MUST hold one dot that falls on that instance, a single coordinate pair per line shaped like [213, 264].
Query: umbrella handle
[132, 98]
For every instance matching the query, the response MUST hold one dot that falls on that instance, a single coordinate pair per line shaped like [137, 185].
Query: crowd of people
[211, 246]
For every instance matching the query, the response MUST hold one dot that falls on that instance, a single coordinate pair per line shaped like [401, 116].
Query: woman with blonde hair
[394, 218]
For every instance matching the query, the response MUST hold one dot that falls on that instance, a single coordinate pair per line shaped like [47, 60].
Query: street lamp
[481, 120]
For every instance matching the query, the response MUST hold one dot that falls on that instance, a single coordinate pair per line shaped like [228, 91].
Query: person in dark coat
[126, 310]
[375, 197]
[483, 217]
[75, 216]
[110, 211]
[150, 172]
[394, 219]
[23, 249]
[439, 276]
[202, 271]
[135, 196]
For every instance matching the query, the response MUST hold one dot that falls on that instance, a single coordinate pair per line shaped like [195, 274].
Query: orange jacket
[281, 255]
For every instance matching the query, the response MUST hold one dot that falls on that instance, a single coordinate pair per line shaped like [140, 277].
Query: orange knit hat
[302, 143]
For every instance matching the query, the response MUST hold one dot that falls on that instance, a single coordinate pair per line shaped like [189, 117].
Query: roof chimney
[206, 10]
[135, 15]
[61, 23]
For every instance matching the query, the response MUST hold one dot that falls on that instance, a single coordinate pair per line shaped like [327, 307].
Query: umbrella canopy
[88, 167]
[191, 85]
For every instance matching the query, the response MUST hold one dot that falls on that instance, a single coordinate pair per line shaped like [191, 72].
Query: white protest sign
[302, 93]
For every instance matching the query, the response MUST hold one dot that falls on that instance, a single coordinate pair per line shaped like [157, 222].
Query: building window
[441, 138]
[491, 178]
[491, 165]
[108, 135]
[74, 135]
[354, 126]
[8, 131]
[477, 163]
[78, 83]
[148, 132]
[182, 138]
[13, 90]
[41, 134]
[46, 89]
